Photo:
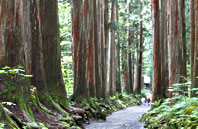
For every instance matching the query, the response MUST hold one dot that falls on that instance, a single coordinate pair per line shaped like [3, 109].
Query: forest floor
[122, 119]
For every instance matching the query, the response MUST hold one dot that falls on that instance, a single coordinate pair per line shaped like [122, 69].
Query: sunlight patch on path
[123, 119]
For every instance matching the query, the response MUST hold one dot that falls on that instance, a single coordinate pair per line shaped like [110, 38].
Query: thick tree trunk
[157, 89]
[195, 66]
[98, 50]
[124, 64]
[164, 48]
[79, 49]
[106, 44]
[140, 51]
[90, 35]
[103, 50]
[118, 81]
[112, 73]
[88, 46]
[23, 33]
[177, 43]
[52, 53]
[192, 34]
[129, 87]
[137, 86]
[13, 41]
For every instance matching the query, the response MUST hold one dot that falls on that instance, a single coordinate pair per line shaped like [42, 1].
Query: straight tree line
[107, 57]
[170, 46]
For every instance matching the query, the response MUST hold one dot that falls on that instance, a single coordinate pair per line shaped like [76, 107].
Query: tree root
[4, 116]
[48, 101]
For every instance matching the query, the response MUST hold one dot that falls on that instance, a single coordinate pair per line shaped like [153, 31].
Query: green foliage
[99, 109]
[67, 74]
[2, 125]
[177, 112]
[66, 44]
[9, 77]
[13, 71]
[8, 103]
[65, 20]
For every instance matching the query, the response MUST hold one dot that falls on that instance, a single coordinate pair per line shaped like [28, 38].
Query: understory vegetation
[178, 112]
[78, 113]
[45, 117]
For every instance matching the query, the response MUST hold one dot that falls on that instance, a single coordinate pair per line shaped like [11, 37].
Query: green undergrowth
[179, 112]
[99, 108]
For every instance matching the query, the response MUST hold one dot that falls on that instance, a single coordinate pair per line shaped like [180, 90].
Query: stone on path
[123, 119]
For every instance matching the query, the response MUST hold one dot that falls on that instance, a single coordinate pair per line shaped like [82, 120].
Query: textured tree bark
[88, 46]
[177, 43]
[157, 89]
[52, 53]
[13, 40]
[137, 87]
[112, 73]
[192, 39]
[140, 52]
[130, 83]
[98, 42]
[23, 35]
[164, 48]
[90, 68]
[118, 81]
[106, 44]
[124, 64]
[103, 50]
[195, 66]
[79, 49]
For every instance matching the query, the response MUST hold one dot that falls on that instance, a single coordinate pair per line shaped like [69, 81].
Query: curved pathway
[123, 119]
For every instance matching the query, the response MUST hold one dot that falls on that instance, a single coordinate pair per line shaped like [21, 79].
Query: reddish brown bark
[102, 51]
[157, 89]
[112, 72]
[118, 81]
[91, 49]
[124, 64]
[195, 66]
[24, 28]
[164, 48]
[89, 34]
[192, 37]
[106, 44]
[129, 87]
[79, 48]
[140, 52]
[177, 43]
[51, 52]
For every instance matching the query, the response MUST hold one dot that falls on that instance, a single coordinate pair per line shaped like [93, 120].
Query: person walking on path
[143, 101]
[148, 101]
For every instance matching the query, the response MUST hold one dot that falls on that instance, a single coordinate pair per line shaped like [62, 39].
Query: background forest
[64, 62]
[128, 30]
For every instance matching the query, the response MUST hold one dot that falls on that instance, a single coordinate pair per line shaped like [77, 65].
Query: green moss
[5, 117]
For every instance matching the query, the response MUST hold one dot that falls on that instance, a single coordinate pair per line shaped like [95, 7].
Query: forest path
[122, 119]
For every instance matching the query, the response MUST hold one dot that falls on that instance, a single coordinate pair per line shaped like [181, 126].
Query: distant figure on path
[148, 100]
[143, 101]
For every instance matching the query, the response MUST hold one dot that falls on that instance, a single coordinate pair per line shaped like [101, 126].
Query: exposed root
[4, 116]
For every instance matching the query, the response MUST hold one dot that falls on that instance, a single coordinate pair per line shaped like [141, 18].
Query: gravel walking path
[123, 119]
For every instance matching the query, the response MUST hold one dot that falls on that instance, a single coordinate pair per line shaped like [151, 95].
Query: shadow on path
[123, 119]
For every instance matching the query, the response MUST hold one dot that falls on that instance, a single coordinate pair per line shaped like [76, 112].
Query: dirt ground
[123, 119]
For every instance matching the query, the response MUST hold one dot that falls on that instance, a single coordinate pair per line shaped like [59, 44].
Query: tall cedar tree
[177, 42]
[195, 51]
[157, 89]
[24, 29]
[164, 48]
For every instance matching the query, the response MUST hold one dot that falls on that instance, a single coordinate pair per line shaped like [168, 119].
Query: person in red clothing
[148, 101]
